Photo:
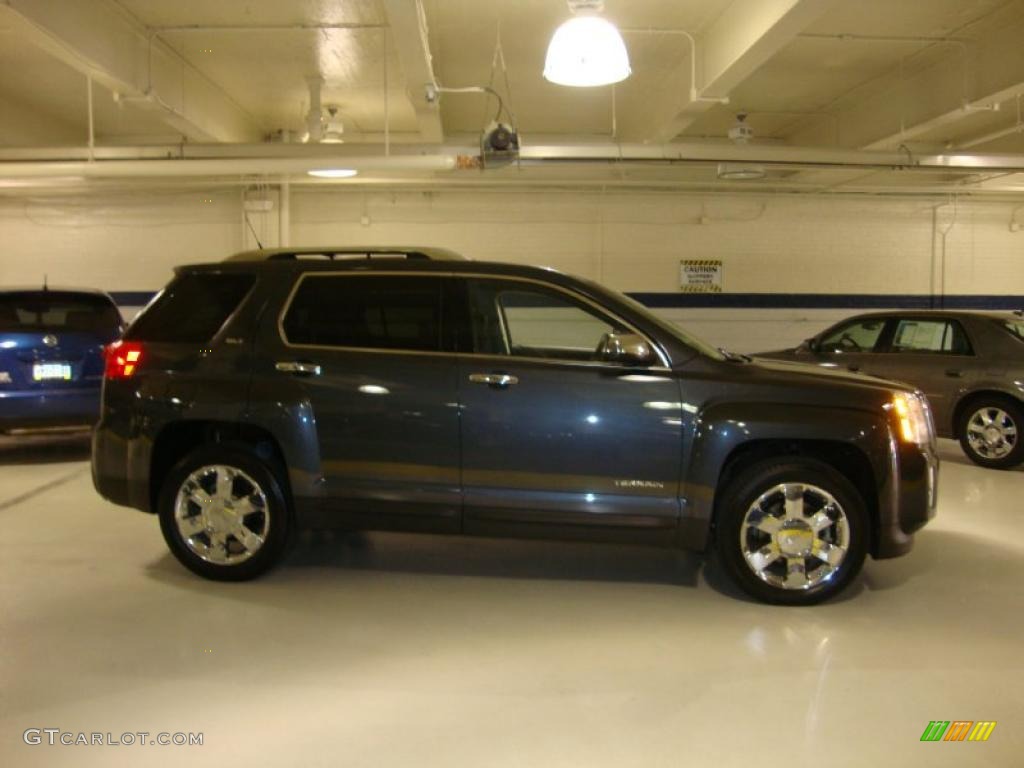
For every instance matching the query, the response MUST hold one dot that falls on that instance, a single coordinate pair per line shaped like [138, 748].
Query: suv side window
[855, 336]
[919, 335]
[526, 320]
[366, 311]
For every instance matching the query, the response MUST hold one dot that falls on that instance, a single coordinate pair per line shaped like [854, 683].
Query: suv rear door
[366, 351]
[550, 434]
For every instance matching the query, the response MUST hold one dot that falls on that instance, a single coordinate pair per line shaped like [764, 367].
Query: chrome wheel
[795, 536]
[222, 514]
[991, 433]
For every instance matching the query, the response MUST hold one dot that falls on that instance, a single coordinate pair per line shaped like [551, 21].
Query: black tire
[276, 527]
[992, 403]
[762, 479]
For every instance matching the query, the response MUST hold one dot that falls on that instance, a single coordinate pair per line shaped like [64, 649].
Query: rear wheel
[989, 432]
[223, 514]
[791, 531]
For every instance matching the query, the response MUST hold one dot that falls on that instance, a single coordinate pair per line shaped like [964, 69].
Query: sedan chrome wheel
[222, 514]
[795, 536]
[991, 433]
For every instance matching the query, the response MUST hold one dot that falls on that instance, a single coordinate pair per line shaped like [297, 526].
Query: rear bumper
[909, 501]
[44, 409]
[120, 463]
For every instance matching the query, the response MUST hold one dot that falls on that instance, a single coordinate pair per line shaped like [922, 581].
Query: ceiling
[917, 77]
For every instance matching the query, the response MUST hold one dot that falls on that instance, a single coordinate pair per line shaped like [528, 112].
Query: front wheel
[989, 432]
[223, 514]
[791, 531]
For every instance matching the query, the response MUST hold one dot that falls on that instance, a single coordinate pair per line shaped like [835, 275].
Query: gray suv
[409, 389]
[970, 365]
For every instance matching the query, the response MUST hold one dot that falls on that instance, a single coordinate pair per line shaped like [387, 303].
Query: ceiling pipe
[314, 118]
[225, 160]
[248, 167]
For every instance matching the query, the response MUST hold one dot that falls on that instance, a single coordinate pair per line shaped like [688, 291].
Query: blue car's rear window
[64, 311]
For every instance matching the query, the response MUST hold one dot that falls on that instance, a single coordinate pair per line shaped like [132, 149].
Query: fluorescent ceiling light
[740, 172]
[586, 51]
[333, 173]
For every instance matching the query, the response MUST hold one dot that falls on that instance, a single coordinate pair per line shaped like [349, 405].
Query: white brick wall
[629, 241]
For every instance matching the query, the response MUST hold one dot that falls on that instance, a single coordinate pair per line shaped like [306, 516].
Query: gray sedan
[969, 364]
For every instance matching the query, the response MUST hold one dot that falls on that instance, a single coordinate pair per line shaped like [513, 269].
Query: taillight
[122, 359]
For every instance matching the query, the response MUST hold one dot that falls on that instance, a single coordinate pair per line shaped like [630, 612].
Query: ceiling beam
[744, 37]
[975, 75]
[101, 41]
[409, 31]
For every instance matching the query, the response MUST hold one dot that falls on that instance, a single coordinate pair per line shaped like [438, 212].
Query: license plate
[51, 372]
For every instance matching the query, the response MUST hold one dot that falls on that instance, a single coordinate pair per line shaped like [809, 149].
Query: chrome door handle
[953, 373]
[294, 366]
[493, 379]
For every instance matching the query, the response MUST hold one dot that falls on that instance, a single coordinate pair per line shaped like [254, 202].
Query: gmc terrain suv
[409, 389]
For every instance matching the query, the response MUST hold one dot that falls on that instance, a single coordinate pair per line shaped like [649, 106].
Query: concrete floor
[394, 650]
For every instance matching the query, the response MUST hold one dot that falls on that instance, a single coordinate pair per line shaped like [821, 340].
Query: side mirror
[625, 348]
[812, 346]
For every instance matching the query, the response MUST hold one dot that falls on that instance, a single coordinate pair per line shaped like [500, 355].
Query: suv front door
[551, 434]
[366, 351]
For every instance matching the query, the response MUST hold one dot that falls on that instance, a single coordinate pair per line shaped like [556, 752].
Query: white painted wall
[629, 241]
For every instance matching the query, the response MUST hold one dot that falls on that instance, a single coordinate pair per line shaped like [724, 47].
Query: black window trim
[662, 357]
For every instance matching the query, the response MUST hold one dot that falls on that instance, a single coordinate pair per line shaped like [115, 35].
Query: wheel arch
[974, 396]
[728, 439]
[845, 458]
[177, 439]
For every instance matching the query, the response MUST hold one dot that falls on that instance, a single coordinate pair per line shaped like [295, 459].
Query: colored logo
[958, 730]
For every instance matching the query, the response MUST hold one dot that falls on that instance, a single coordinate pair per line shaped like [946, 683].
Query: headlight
[912, 418]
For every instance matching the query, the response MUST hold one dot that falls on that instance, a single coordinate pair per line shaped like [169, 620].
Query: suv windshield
[28, 311]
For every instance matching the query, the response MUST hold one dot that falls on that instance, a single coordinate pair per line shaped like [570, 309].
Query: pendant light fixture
[587, 50]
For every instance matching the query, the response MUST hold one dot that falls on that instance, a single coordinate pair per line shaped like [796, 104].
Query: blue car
[51, 357]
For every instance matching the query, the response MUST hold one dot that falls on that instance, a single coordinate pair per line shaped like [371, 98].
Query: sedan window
[858, 336]
[1016, 327]
[915, 335]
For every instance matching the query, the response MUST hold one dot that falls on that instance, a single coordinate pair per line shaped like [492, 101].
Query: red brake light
[122, 359]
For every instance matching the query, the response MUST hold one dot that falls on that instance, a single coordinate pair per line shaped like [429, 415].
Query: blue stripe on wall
[825, 301]
[764, 300]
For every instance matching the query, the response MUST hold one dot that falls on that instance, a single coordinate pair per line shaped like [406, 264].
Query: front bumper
[909, 501]
[45, 409]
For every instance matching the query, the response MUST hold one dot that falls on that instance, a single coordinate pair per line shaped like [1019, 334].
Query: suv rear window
[366, 311]
[192, 308]
[66, 311]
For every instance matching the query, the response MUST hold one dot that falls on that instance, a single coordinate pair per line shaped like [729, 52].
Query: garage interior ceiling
[916, 97]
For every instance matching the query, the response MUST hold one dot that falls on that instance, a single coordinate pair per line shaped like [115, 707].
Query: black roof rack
[413, 253]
